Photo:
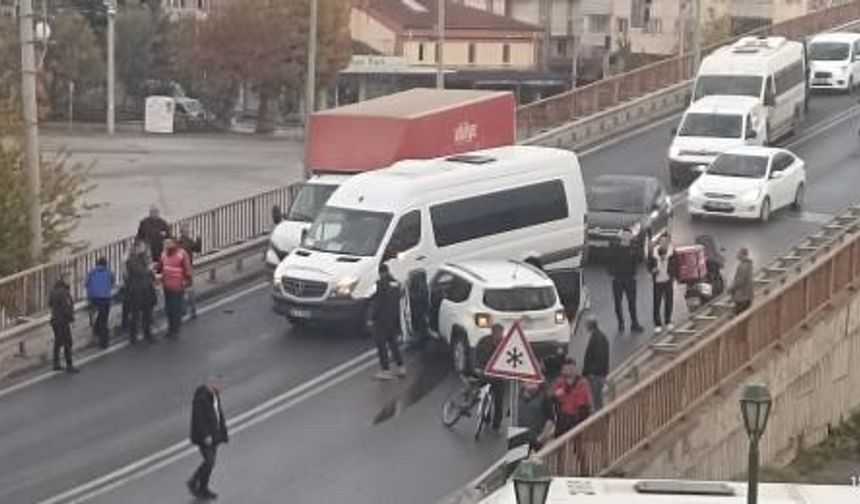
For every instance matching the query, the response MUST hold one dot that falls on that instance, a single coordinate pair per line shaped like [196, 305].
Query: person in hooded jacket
[62, 316]
[100, 282]
[385, 323]
[175, 267]
[140, 292]
[663, 265]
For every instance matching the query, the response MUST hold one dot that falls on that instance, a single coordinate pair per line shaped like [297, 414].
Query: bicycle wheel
[452, 410]
[484, 413]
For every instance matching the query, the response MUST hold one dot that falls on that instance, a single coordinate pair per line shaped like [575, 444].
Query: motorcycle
[711, 284]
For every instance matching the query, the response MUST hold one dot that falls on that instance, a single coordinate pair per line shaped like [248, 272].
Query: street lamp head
[755, 408]
[531, 482]
[42, 32]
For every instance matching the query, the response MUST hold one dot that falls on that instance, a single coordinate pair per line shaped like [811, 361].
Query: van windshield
[309, 201]
[734, 85]
[829, 51]
[711, 125]
[347, 231]
[520, 299]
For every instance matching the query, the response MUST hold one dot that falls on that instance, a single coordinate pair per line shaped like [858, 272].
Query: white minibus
[834, 61]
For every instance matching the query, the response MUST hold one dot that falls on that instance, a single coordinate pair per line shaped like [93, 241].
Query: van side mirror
[674, 130]
[277, 215]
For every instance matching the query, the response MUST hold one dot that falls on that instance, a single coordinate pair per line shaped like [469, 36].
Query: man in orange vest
[175, 268]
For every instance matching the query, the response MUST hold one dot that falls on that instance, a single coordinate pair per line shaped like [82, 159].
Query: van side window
[768, 90]
[498, 212]
[750, 131]
[781, 161]
[856, 52]
[407, 234]
[789, 77]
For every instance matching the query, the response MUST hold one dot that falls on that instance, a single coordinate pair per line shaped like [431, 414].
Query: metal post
[682, 36]
[31, 130]
[311, 78]
[546, 23]
[111, 67]
[440, 44]
[697, 34]
[515, 402]
[752, 482]
[574, 69]
[71, 104]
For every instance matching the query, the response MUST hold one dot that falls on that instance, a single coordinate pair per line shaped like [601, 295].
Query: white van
[772, 69]
[517, 202]
[709, 127]
[834, 60]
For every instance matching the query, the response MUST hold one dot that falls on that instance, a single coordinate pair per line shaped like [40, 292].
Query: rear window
[520, 299]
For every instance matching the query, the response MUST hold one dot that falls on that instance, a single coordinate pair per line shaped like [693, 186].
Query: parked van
[709, 127]
[834, 60]
[517, 202]
[772, 69]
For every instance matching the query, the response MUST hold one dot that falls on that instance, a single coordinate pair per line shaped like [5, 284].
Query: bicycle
[461, 402]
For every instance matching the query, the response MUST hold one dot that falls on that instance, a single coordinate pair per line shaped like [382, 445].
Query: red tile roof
[457, 17]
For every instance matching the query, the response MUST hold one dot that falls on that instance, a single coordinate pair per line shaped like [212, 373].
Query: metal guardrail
[24, 295]
[557, 110]
[803, 282]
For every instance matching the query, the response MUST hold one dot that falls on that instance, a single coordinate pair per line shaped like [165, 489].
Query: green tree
[139, 47]
[262, 44]
[74, 55]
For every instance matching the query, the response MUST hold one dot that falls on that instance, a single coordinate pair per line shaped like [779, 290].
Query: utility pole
[311, 78]
[111, 66]
[697, 35]
[31, 130]
[682, 36]
[546, 22]
[440, 44]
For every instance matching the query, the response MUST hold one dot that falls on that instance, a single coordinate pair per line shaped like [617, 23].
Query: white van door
[403, 253]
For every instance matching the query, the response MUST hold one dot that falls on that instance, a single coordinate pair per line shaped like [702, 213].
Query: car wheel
[797, 204]
[460, 352]
[764, 214]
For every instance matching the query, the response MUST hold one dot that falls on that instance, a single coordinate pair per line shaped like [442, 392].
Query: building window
[506, 54]
[472, 53]
[598, 24]
[561, 47]
[623, 24]
[655, 25]
[421, 51]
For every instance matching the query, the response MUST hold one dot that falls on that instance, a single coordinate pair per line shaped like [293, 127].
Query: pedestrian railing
[556, 110]
[806, 280]
[24, 295]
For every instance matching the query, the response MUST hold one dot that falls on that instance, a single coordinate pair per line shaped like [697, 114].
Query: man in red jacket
[175, 269]
[573, 395]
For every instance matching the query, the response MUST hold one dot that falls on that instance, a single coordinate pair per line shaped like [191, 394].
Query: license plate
[598, 243]
[304, 314]
[720, 205]
[820, 81]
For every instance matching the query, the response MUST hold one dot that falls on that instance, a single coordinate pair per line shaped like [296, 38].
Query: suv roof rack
[475, 159]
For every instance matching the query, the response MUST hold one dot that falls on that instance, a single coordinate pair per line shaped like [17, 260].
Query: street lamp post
[311, 77]
[31, 130]
[755, 408]
[440, 44]
[111, 67]
[531, 482]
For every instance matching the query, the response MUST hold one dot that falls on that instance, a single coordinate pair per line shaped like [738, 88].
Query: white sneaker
[670, 327]
[658, 329]
[401, 372]
[383, 376]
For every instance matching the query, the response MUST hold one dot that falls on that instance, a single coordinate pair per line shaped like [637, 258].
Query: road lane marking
[239, 423]
[160, 328]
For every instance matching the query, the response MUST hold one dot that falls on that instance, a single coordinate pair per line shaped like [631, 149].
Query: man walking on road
[385, 322]
[742, 286]
[62, 316]
[153, 230]
[595, 366]
[623, 264]
[175, 276]
[663, 265]
[208, 430]
[140, 291]
[191, 246]
[100, 282]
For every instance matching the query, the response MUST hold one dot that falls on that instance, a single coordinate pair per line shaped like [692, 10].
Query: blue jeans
[597, 383]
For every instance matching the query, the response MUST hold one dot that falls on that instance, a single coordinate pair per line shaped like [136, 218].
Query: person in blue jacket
[100, 282]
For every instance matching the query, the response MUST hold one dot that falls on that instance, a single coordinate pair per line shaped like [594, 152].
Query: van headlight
[483, 320]
[344, 287]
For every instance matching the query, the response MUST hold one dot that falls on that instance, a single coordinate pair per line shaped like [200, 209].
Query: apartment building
[474, 38]
[747, 14]
[189, 8]
[654, 26]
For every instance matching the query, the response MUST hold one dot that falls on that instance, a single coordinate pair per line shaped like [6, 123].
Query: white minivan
[709, 127]
[834, 60]
[517, 202]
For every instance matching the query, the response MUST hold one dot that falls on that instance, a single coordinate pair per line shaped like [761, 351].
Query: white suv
[467, 298]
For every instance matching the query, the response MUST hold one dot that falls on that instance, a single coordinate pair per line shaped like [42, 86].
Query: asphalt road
[328, 436]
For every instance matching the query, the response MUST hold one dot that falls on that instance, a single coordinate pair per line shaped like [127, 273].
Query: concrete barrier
[28, 346]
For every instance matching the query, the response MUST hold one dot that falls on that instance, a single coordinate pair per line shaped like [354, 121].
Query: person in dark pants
[385, 323]
[153, 230]
[537, 413]
[622, 267]
[742, 285]
[595, 365]
[208, 430]
[62, 316]
[140, 292]
[175, 276]
[572, 393]
[191, 246]
[663, 265]
[100, 282]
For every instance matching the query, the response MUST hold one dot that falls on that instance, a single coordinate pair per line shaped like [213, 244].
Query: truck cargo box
[414, 124]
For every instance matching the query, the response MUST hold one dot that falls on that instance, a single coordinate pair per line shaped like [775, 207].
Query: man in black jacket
[62, 316]
[139, 289]
[596, 361]
[208, 430]
[153, 230]
[385, 322]
[623, 263]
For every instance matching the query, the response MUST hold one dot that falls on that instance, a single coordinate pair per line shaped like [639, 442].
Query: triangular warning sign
[514, 358]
